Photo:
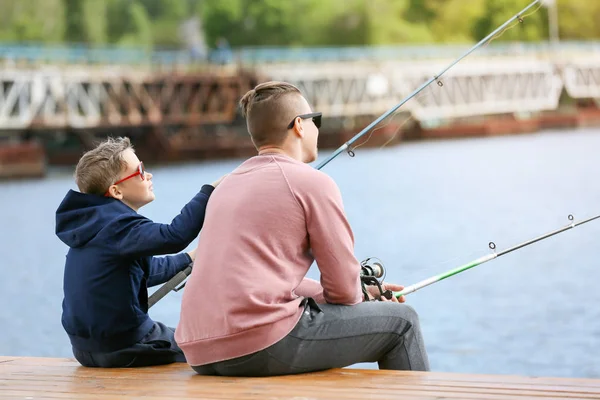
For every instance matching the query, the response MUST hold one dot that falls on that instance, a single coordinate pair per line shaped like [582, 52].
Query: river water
[422, 208]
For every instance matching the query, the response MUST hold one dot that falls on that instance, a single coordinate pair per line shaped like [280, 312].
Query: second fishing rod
[489, 257]
[377, 270]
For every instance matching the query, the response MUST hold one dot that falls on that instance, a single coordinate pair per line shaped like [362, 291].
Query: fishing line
[424, 95]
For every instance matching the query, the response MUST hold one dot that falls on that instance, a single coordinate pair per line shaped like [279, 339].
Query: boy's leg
[158, 347]
[333, 336]
[163, 346]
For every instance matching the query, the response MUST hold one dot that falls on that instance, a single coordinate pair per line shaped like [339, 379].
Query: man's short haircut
[100, 167]
[269, 108]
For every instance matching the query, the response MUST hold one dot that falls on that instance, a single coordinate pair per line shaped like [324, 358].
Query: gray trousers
[334, 336]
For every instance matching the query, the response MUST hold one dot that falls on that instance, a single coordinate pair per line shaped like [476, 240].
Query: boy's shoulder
[81, 217]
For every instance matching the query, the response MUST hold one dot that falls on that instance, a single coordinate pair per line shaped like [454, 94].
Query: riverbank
[30, 159]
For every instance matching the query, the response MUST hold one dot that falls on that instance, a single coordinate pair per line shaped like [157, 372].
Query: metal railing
[81, 54]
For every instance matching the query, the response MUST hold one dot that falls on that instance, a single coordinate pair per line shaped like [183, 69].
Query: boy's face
[135, 192]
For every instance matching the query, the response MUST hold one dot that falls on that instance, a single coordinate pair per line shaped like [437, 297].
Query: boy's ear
[114, 191]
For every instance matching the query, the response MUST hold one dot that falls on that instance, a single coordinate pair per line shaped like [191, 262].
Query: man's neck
[271, 150]
[296, 155]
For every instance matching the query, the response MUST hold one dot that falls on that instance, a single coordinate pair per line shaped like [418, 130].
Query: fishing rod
[170, 285]
[167, 287]
[435, 78]
[489, 257]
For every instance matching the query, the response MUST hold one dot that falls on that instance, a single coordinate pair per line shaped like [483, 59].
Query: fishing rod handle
[170, 285]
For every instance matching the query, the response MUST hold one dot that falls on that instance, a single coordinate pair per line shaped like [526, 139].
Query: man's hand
[374, 292]
[192, 254]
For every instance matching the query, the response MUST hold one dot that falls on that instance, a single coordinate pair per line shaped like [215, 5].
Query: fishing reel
[372, 274]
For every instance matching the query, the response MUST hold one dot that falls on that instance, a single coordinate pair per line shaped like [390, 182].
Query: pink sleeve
[332, 241]
[311, 288]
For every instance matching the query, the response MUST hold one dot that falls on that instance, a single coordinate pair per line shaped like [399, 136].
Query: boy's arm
[332, 242]
[164, 268]
[140, 237]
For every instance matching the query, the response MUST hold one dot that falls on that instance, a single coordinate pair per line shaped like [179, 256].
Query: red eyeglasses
[140, 171]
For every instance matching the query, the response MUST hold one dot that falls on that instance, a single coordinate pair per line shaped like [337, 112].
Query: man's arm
[331, 241]
[311, 288]
[164, 268]
[140, 237]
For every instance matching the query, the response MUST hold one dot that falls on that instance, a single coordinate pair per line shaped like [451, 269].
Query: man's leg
[333, 336]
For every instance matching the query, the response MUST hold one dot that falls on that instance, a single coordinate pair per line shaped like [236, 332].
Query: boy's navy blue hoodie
[110, 265]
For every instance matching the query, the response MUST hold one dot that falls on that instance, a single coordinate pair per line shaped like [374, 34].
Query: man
[248, 309]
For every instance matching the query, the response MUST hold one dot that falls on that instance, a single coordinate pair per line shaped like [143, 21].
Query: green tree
[94, 14]
[578, 19]
[32, 21]
[534, 27]
[224, 18]
[75, 29]
[140, 31]
[454, 21]
[85, 21]
[156, 23]
[165, 17]
[387, 25]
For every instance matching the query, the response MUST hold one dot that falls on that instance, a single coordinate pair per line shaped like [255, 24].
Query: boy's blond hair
[100, 167]
[269, 108]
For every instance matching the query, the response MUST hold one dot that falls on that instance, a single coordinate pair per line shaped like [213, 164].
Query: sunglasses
[316, 117]
[141, 171]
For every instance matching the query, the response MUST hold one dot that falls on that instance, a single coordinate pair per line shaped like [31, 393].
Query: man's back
[265, 225]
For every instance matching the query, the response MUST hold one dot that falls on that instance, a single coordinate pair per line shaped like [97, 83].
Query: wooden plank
[318, 380]
[263, 388]
[44, 378]
[66, 367]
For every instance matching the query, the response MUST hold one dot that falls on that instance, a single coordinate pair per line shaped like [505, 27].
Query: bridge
[469, 89]
[195, 109]
[92, 97]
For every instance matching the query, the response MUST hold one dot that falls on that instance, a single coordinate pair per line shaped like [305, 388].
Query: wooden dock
[51, 378]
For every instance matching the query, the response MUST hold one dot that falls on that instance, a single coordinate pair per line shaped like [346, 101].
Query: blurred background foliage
[173, 24]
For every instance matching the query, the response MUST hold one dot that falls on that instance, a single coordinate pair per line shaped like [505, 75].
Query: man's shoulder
[308, 177]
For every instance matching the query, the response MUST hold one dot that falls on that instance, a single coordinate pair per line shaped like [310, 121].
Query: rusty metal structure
[193, 113]
[167, 115]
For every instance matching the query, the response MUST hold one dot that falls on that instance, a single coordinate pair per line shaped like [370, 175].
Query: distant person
[192, 35]
[222, 54]
[110, 263]
[265, 225]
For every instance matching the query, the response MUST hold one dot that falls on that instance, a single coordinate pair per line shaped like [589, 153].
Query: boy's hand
[216, 183]
[192, 254]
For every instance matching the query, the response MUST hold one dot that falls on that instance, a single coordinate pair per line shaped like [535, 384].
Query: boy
[110, 262]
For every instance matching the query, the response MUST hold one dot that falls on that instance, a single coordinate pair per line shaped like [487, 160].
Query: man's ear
[298, 128]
